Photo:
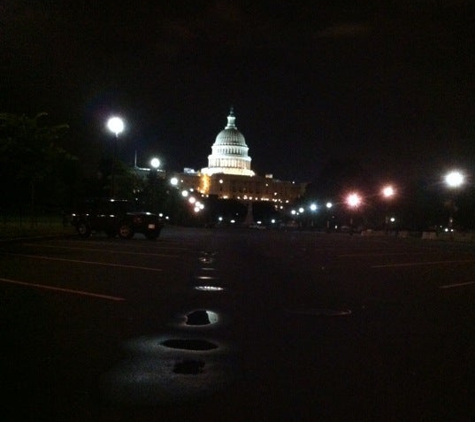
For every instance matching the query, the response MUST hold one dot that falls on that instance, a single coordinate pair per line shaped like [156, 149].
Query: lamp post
[328, 206]
[353, 200]
[388, 193]
[116, 126]
[454, 179]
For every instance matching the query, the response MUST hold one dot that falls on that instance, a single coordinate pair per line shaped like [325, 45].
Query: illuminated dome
[229, 153]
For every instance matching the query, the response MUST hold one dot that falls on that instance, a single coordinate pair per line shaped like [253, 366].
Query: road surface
[238, 324]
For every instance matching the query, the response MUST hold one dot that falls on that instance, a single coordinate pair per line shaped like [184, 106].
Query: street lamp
[388, 192]
[116, 126]
[354, 201]
[454, 179]
[155, 163]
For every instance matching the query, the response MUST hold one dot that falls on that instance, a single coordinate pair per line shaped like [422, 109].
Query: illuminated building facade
[229, 174]
[229, 153]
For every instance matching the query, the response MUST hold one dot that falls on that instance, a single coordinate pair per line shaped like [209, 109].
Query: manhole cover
[190, 344]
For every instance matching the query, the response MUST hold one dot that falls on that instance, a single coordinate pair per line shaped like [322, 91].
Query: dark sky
[389, 83]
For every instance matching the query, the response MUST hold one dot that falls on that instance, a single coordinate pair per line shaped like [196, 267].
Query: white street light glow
[454, 179]
[353, 200]
[155, 163]
[388, 191]
[115, 125]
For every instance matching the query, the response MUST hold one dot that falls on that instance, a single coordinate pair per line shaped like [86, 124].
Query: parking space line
[415, 264]
[104, 250]
[59, 289]
[131, 243]
[380, 254]
[449, 286]
[48, 258]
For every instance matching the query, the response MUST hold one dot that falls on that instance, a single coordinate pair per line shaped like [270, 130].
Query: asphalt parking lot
[238, 325]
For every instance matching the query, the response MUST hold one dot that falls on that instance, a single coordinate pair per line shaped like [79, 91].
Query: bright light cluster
[115, 125]
[454, 179]
[353, 200]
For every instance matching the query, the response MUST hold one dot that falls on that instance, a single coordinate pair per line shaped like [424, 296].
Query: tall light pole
[454, 179]
[116, 126]
[388, 193]
[353, 200]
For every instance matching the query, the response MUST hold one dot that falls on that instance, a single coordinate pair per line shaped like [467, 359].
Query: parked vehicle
[115, 217]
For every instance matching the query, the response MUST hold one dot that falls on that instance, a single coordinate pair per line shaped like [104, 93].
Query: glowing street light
[353, 200]
[116, 126]
[388, 191]
[155, 163]
[454, 179]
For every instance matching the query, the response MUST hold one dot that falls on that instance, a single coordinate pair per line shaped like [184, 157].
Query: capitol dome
[229, 153]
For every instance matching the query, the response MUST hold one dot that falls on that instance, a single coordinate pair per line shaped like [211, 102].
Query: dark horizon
[391, 87]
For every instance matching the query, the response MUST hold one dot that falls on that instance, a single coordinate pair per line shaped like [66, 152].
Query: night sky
[388, 83]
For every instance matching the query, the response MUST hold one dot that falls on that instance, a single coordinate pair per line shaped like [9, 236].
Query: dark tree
[33, 160]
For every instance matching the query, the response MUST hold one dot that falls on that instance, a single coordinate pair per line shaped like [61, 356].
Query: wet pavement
[238, 325]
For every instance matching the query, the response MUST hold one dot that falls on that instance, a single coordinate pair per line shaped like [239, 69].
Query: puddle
[189, 367]
[190, 344]
[205, 277]
[201, 317]
[209, 288]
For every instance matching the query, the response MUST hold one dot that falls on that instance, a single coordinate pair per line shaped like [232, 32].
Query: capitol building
[229, 174]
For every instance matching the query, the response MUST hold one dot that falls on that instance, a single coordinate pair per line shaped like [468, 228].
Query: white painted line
[130, 244]
[415, 264]
[102, 250]
[59, 289]
[381, 254]
[449, 286]
[77, 261]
